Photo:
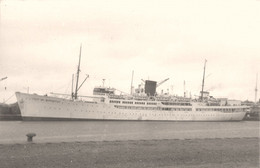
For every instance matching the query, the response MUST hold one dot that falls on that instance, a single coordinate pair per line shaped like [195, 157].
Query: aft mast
[131, 89]
[72, 94]
[256, 88]
[77, 79]
[202, 90]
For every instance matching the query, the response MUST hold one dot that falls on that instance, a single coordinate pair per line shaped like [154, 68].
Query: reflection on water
[62, 131]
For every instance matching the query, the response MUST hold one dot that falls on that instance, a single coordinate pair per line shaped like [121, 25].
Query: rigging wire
[8, 98]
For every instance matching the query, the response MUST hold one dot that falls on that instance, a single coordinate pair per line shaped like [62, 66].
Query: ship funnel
[150, 87]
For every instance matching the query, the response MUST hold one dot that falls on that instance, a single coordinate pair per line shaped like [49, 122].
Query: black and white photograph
[129, 84]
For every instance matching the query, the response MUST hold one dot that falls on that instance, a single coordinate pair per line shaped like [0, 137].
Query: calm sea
[69, 131]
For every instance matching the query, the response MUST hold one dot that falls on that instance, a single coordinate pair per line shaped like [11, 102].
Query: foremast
[75, 95]
[77, 77]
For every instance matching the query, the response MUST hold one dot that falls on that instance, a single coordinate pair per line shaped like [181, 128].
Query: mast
[103, 82]
[131, 90]
[202, 90]
[77, 79]
[256, 88]
[184, 90]
[72, 94]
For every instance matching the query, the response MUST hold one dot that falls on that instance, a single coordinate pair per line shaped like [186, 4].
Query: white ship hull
[36, 107]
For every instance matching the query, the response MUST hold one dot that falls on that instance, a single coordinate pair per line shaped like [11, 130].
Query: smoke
[218, 86]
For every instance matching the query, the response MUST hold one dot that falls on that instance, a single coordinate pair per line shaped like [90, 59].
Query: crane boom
[3, 78]
[158, 84]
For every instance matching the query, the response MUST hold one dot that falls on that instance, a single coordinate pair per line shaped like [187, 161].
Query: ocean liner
[144, 104]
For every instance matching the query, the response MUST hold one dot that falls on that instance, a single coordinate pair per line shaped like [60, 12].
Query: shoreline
[215, 152]
[15, 132]
[25, 142]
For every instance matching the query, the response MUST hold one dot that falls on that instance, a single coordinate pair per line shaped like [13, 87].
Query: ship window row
[153, 108]
[114, 101]
[176, 104]
[163, 115]
[219, 109]
[149, 103]
[55, 108]
[177, 109]
[209, 109]
[139, 102]
[99, 94]
[127, 102]
[136, 107]
[39, 99]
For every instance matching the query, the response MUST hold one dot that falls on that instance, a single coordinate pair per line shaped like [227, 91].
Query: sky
[157, 39]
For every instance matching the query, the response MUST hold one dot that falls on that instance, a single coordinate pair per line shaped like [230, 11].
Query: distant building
[205, 94]
[247, 103]
[234, 102]
[222, 101]
[226, 102]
